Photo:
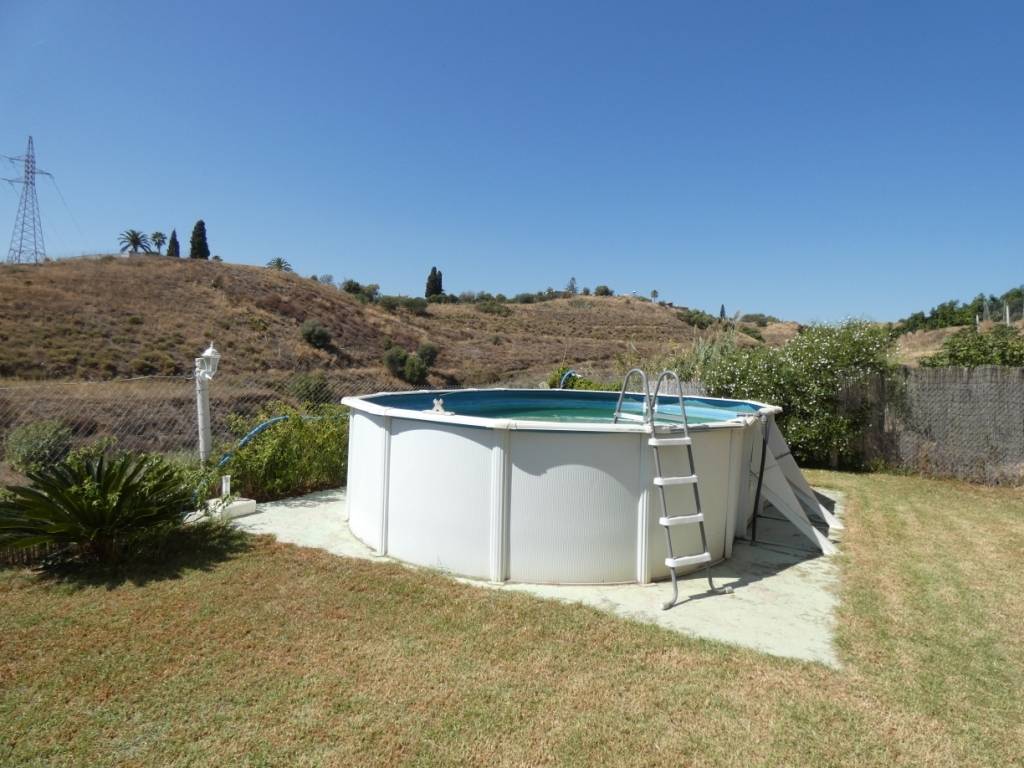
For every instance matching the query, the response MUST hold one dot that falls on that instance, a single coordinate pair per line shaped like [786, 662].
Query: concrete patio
[783, 602]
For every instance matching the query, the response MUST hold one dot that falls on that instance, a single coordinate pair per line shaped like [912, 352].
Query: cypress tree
[198, 248]
[173, 249]
[434, 285]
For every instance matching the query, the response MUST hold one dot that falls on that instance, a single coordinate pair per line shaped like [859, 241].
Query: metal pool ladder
[672, 439]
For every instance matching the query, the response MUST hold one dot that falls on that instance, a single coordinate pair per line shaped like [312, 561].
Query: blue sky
[811, 160]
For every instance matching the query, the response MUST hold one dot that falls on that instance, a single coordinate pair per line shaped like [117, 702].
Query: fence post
[206, 367]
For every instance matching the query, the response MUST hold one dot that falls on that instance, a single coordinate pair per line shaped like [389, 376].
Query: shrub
[389, 303]
[308, 451]
[414, 305]
[1003, 345]
[759, 319]
[154, 363]
[751, 332]
[603, 290]
[491, 307]
[428, 353]
[524, 298]
[415, 370]
[578, 382]
[33, 447]
[311, 388]
[100, 506]
[315, 334]
[698, 318]
[394, 361]
[809, 377]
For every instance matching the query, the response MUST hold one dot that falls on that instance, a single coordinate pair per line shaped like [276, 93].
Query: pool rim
[362, 403]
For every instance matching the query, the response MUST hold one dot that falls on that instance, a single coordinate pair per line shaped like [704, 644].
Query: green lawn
[254, 653]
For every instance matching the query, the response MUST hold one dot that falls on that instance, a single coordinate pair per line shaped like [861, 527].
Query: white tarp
[785, 488]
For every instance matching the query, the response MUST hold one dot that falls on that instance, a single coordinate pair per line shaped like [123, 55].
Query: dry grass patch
[282, 656]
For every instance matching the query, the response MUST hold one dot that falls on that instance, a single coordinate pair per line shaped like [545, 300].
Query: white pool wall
[536, 501]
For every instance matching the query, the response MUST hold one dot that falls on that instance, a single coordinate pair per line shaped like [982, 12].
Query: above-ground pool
[539, 485]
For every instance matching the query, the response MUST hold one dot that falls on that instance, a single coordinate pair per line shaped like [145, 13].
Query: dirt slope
[99, 318]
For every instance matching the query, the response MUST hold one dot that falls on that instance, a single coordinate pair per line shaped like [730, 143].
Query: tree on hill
[198, 248]
[721, 313]
[158, 239]
[654, 295]
[279, 264]
[173, 249]
[570, 287]
[134, 241]
[435, 285]
[603, 290]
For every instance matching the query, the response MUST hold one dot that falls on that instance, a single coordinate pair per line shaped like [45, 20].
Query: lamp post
[206, 368]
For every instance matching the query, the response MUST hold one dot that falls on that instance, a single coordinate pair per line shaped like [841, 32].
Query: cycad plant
[96, 505]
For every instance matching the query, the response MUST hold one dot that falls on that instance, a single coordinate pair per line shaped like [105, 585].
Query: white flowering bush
[812, 378]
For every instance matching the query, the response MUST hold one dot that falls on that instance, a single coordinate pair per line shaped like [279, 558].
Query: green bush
[758, 319]
[751, 331]
[491, 307]
[698, 318]
[603, 290]
[1003, 345]
[394, 361]
[311, 388]
[578, 382]
[428, 353]
[415, 370]
[389, 303]
[308, 451]
[100, 506]
[414, 305]
[316, 335]
[808, 378]
[32, 447]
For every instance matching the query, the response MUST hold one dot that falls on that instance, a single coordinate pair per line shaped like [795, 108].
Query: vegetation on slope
[107, 317]
[954, 313]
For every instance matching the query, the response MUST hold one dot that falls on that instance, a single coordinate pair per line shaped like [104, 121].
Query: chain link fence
[155, 414]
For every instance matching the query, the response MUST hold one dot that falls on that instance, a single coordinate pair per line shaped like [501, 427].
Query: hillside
[110, 317]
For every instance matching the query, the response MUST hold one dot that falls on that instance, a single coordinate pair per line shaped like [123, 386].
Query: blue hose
[249, 436]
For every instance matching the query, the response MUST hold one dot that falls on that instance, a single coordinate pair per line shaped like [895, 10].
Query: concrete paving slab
[783, 601]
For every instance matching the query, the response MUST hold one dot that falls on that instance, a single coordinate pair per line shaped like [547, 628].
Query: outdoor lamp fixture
[206, 366]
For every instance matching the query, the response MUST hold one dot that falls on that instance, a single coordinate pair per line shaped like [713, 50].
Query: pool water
[560, 405]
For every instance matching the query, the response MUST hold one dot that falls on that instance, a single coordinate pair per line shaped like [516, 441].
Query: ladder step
[681, 519]
[685, 480]
[658, 442]
[679, 562]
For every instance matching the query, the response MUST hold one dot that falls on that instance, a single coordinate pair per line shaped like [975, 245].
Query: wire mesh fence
[966, 423]
[153, 414]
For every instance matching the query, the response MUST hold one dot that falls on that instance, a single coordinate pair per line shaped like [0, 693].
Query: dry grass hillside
[109, 317]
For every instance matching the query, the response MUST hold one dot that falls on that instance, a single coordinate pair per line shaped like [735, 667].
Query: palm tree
[158, 239]
[132, 240]
[279, 264]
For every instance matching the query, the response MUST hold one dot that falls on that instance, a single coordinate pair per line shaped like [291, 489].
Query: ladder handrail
[622, 393]
[663, 376]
